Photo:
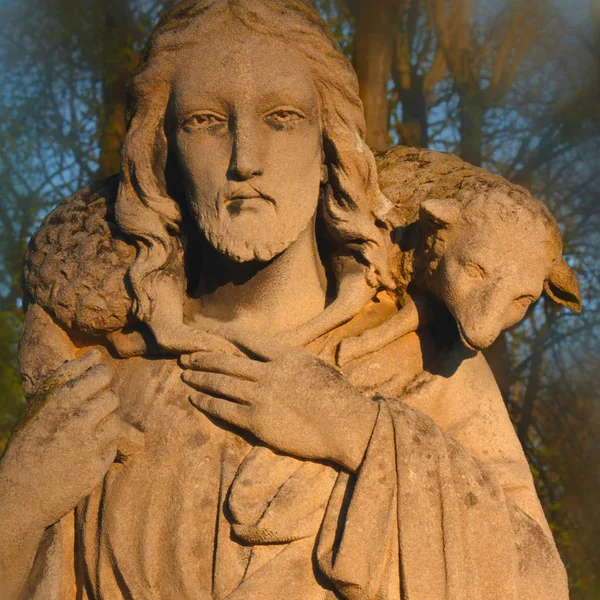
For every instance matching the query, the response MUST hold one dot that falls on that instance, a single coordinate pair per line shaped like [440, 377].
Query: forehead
[521, 244]
[238, 65]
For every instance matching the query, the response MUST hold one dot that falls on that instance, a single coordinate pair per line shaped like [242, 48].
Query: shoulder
[468, 406]
[77, 261]
[461, 395]
[474, 412]
[476, 416]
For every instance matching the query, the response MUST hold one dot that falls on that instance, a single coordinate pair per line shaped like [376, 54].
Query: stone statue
[251, 360]
[486, 277]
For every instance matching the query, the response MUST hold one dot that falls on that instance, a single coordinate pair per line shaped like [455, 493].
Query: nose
[246, 160]
[480, 320]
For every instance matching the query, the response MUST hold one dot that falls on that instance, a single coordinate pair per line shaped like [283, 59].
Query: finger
[92, 382]
[113, 430]
[69, 395]
[128, 344]
[235, 414]
[235, 366]
[209, 342]
[109, 428]
[77, 367]
[241, 391]
[257, 345]
[98, 408]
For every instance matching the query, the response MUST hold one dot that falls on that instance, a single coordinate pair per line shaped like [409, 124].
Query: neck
[271, 297]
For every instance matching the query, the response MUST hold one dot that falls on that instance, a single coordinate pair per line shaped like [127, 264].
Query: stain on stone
[197, 440]
[471, 500]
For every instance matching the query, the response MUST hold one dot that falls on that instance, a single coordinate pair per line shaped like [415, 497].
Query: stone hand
[287, 397]
[64, 445]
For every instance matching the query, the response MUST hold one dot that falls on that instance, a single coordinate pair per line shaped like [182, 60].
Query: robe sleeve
[441, 512]
[52, 576]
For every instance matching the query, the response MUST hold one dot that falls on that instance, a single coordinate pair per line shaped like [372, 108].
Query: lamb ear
[562, 286]
[442, 212]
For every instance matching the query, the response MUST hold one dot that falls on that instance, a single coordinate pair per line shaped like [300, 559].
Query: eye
[204, 120]
[284, 117]
[474, 270]
[524, 302]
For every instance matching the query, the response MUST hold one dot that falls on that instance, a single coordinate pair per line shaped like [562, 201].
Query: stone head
[494, 255]
[244, 120]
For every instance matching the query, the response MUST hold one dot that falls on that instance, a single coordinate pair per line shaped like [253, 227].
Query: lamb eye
[474, 270]
[524, 302]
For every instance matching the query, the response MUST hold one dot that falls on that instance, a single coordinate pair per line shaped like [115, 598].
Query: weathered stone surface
[252, 360]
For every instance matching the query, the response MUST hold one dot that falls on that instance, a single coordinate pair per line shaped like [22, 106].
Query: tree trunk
[596, 19]
[531, 393]
[118, 61]
[414, 128]
[535, 374]
[373, 60]
[471, 112]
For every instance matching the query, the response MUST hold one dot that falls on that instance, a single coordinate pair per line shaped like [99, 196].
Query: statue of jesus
[245, 465]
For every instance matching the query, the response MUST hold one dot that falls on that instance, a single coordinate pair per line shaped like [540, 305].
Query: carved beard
[259, 231]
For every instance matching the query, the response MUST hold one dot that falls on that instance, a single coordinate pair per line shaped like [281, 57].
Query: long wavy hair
[349, 201]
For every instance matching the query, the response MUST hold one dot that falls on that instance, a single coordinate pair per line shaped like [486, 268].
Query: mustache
[240, 191]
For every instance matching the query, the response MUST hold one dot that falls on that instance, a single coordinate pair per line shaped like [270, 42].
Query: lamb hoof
[348, 350]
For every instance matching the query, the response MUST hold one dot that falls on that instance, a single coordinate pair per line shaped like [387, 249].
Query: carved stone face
[492, 269]
[247, 135]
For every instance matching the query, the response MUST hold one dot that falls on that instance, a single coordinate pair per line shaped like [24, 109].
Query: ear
[562, 286]
[442, 212]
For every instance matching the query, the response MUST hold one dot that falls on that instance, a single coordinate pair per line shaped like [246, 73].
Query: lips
[470, 343]
[240, 196]
[465, 340]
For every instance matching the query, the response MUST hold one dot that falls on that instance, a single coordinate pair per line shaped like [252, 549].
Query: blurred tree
[513, 85]
[419, 65]
[116, 60]
[63, 74]
[483, 53]
[373, 49]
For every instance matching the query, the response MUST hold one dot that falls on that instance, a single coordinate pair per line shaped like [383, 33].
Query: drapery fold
[442, 508]
[421, 520]
[427, 521]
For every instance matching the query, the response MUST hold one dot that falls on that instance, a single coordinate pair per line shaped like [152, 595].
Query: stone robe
[443, 506]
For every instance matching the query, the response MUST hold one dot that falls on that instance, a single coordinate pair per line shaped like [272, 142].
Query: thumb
[212, 343]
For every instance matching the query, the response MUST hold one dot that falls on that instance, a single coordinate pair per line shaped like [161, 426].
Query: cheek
[203, 163]
[294, 158]
[514, 315]
[452, 282]
[293, 173]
